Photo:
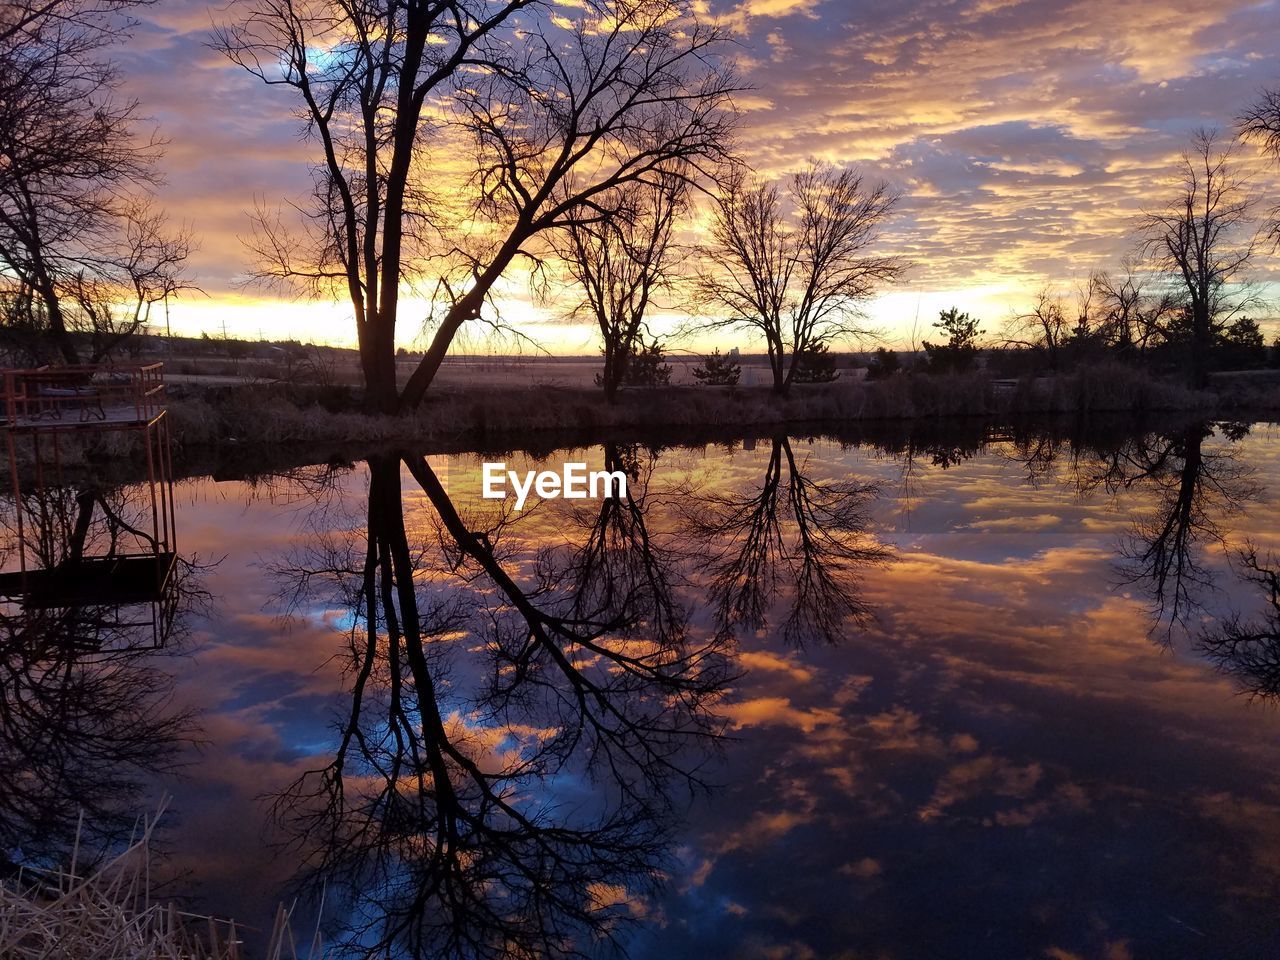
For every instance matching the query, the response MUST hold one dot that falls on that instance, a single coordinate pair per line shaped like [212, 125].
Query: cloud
[768, 711]
[1025, 136]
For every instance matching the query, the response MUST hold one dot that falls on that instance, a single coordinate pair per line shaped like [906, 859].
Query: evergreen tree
[717, 371]
[815, 364]
[883, 364]
[961, 349]
[1242, 346]
[645, 366]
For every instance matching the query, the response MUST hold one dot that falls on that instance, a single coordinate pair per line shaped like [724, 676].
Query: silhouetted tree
[81, 246]
[620, 264]
[1249, 650]
[717, 371]
[1261, 124]
[883, 364]
[1242, 345]
[796, 538]
[815, 364]
[800, 276]
[1205, 240]
[646, 366]
[961, 349]
[96, 20]
[567, 111]
[436, 820]
[1135, 310]
[1193, 488]
[1045, 327]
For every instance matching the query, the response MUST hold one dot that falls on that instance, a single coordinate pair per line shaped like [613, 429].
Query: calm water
[1001, 697]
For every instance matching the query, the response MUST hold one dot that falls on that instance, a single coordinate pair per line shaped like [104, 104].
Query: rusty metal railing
[42, 395]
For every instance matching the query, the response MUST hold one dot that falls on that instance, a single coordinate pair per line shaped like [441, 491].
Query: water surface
[792, 697]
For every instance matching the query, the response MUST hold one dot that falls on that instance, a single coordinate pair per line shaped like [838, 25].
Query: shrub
[815, 364]
[960, 351]
[646, 367]
[717, 371]
[884, 363]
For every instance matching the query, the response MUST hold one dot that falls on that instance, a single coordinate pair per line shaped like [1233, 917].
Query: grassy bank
[237, 424]
[275, 413]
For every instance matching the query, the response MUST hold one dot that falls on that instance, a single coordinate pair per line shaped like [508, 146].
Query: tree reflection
[1194, 488]
[1249, 649]
[526, 817]
[86, 712]
[619, 565]
[794, 536]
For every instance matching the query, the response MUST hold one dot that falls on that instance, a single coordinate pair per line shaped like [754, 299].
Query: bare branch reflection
[793, 537]
[502, 784]
[1249, 649]
[1193, 488]
[86, 709]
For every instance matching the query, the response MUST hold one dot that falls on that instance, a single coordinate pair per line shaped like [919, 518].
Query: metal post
[17, 503]
[168, 459]
[151, 483]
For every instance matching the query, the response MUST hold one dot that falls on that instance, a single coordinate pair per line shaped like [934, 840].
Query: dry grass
[108, 913]
[273, 415]
[250, 416]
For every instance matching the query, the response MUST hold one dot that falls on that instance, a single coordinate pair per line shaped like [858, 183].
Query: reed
[108, 912]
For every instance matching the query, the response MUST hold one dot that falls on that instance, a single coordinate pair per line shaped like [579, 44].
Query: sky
[1025, 136]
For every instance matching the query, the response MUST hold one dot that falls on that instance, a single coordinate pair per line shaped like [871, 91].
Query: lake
[966, 692]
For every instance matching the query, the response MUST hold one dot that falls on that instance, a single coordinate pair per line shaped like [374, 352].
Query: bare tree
[1136, 312]
[1051, 325]
[1261, 124]
[81, 244]
[797, 277]
[95, 20]
[1205, 240]
[1192, 488]
[1249, 650]
[562, 108]
[620, 263]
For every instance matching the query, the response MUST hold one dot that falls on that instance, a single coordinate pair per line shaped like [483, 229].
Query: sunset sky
[1025, 137]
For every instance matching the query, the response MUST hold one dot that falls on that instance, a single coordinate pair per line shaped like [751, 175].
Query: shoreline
[245, 428]
[278, 413]
[252, 461]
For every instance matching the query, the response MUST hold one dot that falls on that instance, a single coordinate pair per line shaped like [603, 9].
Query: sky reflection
[1007, 754]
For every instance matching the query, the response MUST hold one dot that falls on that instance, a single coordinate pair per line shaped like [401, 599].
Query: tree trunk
[621, 362]
[57, 321]
[611, 377]
[1201, 344]
[467, 308]
[415, 389]
[778, 362]
[378, 360]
